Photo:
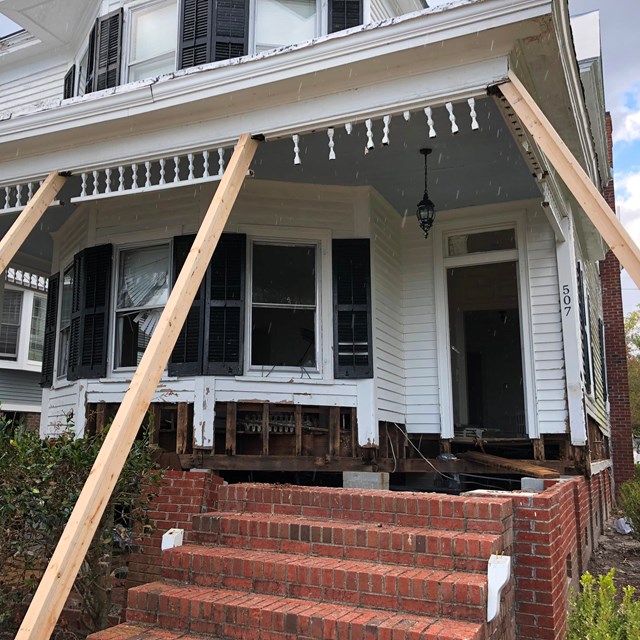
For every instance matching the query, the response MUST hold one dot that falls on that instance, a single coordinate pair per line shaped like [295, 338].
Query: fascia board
[360, 43]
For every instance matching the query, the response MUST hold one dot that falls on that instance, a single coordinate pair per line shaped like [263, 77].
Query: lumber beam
[574, 176]
[230, 429]
[60, 574]
[526, 467]
[29, 217]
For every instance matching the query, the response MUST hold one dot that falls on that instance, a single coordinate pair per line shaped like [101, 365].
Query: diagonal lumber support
[574, 176]
[29, 217]
[60, 574]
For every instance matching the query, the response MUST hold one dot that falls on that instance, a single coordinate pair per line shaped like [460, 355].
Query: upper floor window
[282, 22]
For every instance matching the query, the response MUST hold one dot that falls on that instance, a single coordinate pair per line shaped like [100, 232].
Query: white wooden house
[327, 326]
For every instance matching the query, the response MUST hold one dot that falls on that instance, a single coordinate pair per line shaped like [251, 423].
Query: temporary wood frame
[574, 176]
[29, 217]
[60, 574]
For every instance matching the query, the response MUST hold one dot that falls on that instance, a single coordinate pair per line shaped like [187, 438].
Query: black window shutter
[50, 326]
[584, 330]
[91, 59]
[90, 313]
[344, 14]
[187, 355]
[225, 309]
[69, 83]
[230, 29]
[603, 363]
[108, 51]
[352, 332]
[195, 33]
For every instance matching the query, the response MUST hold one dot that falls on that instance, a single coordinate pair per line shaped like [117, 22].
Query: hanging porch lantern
[426, 211]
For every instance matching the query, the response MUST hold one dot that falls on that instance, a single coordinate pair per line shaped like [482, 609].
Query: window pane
[463, 244]
[67, 295]
[36, 336]
[284, 275]
[153, 31]
[282, 22]
[143, 277]
[134, 331]
[154, 67]
[10, 325]
[283, 337]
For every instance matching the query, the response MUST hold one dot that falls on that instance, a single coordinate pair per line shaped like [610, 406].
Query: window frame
[293, 236]
[36, 296]
[131, 9]
[113, 358]
[58, 374]
[6, 357]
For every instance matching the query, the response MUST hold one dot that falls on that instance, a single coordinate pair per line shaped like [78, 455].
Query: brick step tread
[405, 508]
[399, 588]
[413, 546]
[128, 631]
[247, 616]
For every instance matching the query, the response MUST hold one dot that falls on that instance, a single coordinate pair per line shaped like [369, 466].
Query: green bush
[40, 481]
[630, 503]
[597, 613]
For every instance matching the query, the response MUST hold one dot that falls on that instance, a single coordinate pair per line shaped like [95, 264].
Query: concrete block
[365, 480]
[535, 485]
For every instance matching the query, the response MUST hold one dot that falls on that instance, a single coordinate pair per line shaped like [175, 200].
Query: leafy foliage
[632, 332]
[630, 502]
[597, 613]
[40, 481]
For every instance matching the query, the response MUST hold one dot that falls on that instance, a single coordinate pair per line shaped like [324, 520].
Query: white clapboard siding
[386, 259]
[35, 85]
[546, 324]
[59, 406]
[419, 322]
[71, 238]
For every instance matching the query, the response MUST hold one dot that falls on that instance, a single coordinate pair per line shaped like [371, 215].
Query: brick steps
[130, 631]
[398, 588]
[376, 542]
[231, 614]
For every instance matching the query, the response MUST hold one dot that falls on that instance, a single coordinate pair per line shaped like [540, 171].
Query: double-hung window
[281, 22]
[65, 322]
[142, 292]
[36, 330]
[10, 324]
[284, 305]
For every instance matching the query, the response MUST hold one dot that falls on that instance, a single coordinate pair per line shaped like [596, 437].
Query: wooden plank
[265, 429]
[101, 417]
[519, 466]
[574, 176]
[29, 218]
[354, 432]
[154, 424]
[230, 434]
[298, 420]
[182, 428]
[334, 431]
[538, 449]
[59, 575]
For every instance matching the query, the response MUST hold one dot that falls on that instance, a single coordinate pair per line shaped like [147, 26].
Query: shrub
[630, 503]
[597, 613]
[40, 481]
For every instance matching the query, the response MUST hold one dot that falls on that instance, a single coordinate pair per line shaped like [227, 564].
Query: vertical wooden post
[29, 218]
[265, 429]
[58, 578]
[354, 432]
[154, 424]
[574, 176]
[334, 431]
[230, 435]
[182, 428]
[298, 419]
[101, 417]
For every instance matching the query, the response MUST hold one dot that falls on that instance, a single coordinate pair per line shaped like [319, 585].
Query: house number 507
[566, 299]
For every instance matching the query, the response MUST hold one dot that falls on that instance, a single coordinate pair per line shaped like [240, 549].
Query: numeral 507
[566, 299]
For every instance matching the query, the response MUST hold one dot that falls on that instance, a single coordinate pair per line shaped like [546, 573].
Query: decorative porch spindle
[220, 161]
[472, 112]
[385, 130]
[296, 149]
[332, 153]
[348, 127]
[429, 113]
[370, 144]
[452, 118]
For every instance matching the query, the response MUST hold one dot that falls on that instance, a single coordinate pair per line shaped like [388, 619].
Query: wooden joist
[334, 431]
[230, 431]
[60, 574]
[517, 466]
[182, 428]
[574, 176]
[29, 218]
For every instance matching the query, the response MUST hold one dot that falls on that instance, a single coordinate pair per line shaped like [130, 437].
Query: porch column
[60, 574]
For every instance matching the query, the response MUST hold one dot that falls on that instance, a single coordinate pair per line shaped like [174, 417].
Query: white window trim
[128, 33]
[468, 224]
[324, 318]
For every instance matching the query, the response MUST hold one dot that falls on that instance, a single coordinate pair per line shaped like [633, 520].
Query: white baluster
[120, 178]
[147, 173]
[296, 149]
[95, 183]
[407, 116]
[369, 125]
[19, 195]
[176, 169]
[348, 128]
[332, 144]
[162, 171]
[190, 157]
[7, 191]
[107, 180]
[385, 130]
[205, 164]
[472, 112]
[452, 118]
[429, 113]
[134, 176]
[220, 161]
[83, 186]
[29, 191]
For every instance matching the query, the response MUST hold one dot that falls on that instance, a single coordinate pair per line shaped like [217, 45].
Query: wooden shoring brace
[29, 217]
[60, 574]
[574, 176]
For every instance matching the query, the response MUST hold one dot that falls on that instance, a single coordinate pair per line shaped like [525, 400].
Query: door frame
[474, 223]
